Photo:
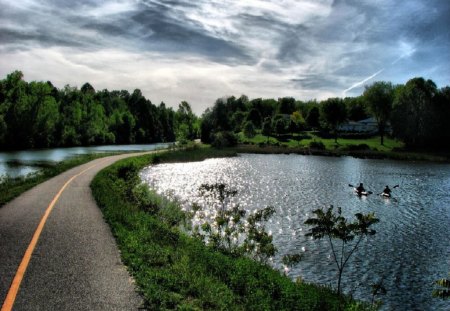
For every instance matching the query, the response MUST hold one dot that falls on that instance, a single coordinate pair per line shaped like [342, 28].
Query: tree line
[38, 115]
[417, 113]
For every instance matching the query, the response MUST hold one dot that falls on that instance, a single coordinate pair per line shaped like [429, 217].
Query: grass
[177, 272]
[304, 139]
[363, 147]
[13, 187]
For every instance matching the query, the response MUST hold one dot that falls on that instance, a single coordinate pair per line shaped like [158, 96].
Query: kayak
[362, 193]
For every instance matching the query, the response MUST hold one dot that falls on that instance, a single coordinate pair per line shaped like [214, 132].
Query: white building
[367, 126]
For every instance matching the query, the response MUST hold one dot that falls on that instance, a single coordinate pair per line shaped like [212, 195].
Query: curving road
[75, 264]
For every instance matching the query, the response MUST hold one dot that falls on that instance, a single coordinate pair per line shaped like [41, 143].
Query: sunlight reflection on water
[410, 250]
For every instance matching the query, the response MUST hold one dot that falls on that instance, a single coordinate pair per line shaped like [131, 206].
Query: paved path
[76, 264]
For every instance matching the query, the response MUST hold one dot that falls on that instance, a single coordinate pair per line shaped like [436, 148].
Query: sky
[202, 50]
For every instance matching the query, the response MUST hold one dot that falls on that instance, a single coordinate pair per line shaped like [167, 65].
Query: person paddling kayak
[387, 191]
[360, 189]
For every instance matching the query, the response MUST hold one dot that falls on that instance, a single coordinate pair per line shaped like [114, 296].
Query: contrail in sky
[363, 81]
[408, 51]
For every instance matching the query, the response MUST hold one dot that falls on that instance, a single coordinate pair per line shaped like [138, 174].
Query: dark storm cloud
[169, 34]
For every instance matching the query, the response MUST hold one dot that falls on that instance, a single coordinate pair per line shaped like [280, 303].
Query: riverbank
[176, 271]
[357, 152]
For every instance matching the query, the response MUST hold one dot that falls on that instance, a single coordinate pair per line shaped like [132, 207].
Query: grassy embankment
[13, 187]
[176, 271]
[309, 143]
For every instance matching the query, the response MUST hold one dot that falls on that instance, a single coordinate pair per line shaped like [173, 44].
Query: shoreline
[360, 154]
[151, 237]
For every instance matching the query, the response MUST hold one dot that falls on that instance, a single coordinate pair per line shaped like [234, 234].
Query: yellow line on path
[14, 288]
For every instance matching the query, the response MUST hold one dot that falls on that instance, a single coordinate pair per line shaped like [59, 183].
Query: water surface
[410, 250]
[23, 162]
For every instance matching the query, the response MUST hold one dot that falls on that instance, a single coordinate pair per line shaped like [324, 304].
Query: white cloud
[171, 80]
[109, 8]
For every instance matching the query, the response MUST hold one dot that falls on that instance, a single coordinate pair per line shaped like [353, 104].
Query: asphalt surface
[76, 264]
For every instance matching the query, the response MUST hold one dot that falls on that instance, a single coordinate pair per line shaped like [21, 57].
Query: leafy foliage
[443, 289]
[379, 98]
[249, 129]
[421, 114]
[333, 113]
[332, 225]
[230, 229]
[38, 115]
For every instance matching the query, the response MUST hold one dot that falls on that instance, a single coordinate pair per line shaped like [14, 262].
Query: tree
[230, 229]
[312, 118]
[333, 114]
[45, 115]
[206, 127]
[249, 129]
[415, 118]
[237, 120]
[379, 98]
[356, 108]
[286, 105]
[18, 113]
[122, 125]
[280, 124]
[267, 128]
[87, 88]
[297, 121]
[166, 118]
[331, 225]
[71, 115]
[220, 117]
[255, 117]
[185, 119]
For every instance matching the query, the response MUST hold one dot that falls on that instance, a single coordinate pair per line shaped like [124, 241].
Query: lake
[409, 252]
[23, 162]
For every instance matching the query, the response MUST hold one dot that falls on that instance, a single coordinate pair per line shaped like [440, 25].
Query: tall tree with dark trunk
[379, 98]
[333, 113]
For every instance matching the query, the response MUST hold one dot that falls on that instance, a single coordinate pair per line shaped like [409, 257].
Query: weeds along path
[57, 252]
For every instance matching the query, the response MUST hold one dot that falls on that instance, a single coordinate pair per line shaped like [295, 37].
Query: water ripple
[410, 250]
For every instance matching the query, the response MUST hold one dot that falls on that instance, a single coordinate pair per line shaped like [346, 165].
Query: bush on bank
[176, 271]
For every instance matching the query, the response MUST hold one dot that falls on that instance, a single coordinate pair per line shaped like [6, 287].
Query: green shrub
[224, 139]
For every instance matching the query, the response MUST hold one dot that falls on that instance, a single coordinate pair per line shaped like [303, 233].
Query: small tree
[379, 98]
[230, 229]
[267, 128]
[249, 129]
[312, 118]
[331, 225]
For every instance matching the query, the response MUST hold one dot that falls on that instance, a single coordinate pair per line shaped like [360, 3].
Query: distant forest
[39, 115]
